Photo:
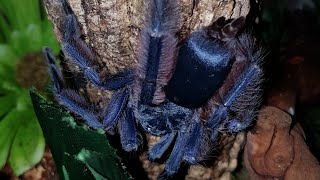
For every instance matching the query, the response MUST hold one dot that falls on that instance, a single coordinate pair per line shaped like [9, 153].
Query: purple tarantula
[186, 94]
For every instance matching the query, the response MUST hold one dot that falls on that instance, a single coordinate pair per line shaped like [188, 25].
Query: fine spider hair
[185, 94]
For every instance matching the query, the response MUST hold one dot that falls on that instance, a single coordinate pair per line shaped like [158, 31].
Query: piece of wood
[275, 150]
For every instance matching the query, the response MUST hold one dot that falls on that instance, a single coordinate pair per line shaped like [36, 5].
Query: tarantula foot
[235, 126]
[110, 130]
[159, 149]
[128, 132]
[133, 146]
[192, 154]
[190, 159]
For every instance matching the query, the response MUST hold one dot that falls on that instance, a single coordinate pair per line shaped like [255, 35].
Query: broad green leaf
[21, 13]
[7, 56]
[67, 139]
[28, 146]
[21, 138]
[72, 164]
[8, 86]
[7, 102]
[9, 125]
[33, 36]
[17, 42]
[7, 75]
[5, 29]
[48, 38]
[96, 163]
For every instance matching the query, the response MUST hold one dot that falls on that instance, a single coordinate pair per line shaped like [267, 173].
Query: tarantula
[186, 94]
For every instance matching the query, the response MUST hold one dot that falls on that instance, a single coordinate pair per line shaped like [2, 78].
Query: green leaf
[68, 140]
[48, 38]
[28, 146]
[72, 164]
[33, 36]
[21, 139]
[96, 163]
[9, 125]
[7, 102]
[7, 56]
[5, 29]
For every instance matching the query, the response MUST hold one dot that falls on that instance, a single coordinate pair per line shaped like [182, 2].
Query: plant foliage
[24, 29]
[79, 152]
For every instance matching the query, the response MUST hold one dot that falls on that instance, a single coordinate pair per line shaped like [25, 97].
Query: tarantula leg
[245, 95]
[214, 123]
[158, 149]
[119, 80]
[128, 131]
[80, 53]
[235, 125]
[250, 78]
[192, 154]
[174, 161]
[116, 106]
[70, 99]
[219, 114]
[55, 73]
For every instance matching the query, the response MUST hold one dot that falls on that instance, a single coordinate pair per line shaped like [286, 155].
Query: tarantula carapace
[186, 94]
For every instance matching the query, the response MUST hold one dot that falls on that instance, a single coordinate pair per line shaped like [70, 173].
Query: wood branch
[275, 151]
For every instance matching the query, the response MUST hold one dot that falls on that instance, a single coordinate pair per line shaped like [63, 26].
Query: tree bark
[111, 27]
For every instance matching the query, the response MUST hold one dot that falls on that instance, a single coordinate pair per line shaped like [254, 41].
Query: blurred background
[24, 30]
[290, 31]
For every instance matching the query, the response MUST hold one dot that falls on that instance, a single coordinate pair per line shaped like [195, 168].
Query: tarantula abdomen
[204, 61]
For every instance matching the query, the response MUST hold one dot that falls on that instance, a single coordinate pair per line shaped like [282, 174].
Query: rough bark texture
[111, 28]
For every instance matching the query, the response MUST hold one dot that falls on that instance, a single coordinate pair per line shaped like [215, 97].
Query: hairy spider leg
[247, 84]
[114, 110]
[157, 52]
[157, 151]
[235, 125]
[79, 52]
[245, 94]
[196, 144]
[70, 99]
[128, 131]
[175, 159]
[214, 123]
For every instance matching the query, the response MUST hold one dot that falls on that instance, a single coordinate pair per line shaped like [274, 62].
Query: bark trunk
[110, 27]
